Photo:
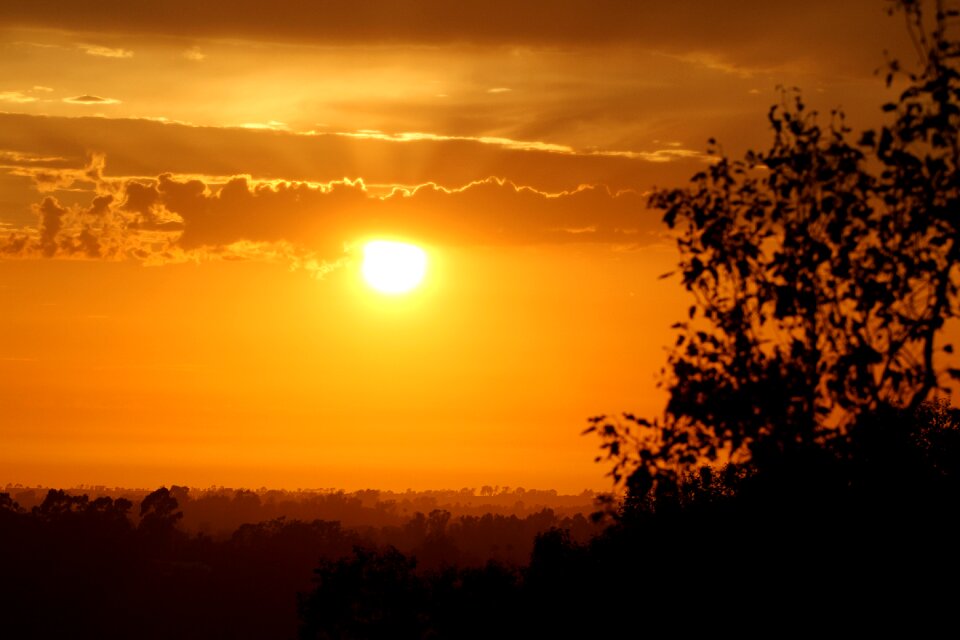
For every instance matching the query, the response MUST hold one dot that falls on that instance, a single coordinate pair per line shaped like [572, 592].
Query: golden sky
[185, 189]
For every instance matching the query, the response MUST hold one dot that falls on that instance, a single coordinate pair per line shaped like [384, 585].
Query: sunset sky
[186, 189]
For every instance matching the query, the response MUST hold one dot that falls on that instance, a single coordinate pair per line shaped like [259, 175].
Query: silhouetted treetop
[8, 504]
[822, 272]
[159, 507]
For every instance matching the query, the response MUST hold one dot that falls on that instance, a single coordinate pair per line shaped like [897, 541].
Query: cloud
[88, 99]
[16, 97]
[194, 53]
[170, 219]
[732, 36]
[507, 143]
[49, 173]
[148, 148]
[670, 154]
[717, 62]
[272, 125]
[20, 158]
[51, 221]
[660, 155]
[105, 52]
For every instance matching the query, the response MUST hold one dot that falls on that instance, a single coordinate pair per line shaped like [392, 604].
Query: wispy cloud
[194, 53]
[16, 97]
[669, 154]
[662, 155]
[21, 157]
[717, 62]
[105, 52]
[272, 125]
[410, 136]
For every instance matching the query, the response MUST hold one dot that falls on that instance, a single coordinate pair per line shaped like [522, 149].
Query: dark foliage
[807, 373]
[822, 274]
[852, 545]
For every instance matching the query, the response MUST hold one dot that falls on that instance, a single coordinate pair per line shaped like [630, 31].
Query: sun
[393, 267]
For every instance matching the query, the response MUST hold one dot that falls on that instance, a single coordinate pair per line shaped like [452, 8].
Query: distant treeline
[855, 543]
[218, 511]
[811, 544]
[75, 565]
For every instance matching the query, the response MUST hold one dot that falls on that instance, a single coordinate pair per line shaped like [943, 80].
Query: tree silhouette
[159, 510]
[372, 594]
[159, 515]
[822, 273]
[8, 504]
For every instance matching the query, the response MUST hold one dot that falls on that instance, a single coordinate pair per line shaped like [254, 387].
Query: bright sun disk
[393, 267]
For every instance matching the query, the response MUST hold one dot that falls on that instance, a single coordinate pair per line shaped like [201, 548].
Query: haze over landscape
[186, 189]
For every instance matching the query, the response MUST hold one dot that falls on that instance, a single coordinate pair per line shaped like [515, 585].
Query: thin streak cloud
[16, 97]
[105, 52]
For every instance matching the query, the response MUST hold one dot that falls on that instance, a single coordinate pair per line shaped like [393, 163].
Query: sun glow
[393, 267]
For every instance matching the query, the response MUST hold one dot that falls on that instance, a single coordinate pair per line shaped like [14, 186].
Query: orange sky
[184, 191]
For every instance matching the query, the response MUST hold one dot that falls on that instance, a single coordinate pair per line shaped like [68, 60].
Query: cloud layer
[171, 219]
[746, 32]
[149, 148]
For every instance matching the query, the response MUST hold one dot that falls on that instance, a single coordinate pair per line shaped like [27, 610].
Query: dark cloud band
[170, 219]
